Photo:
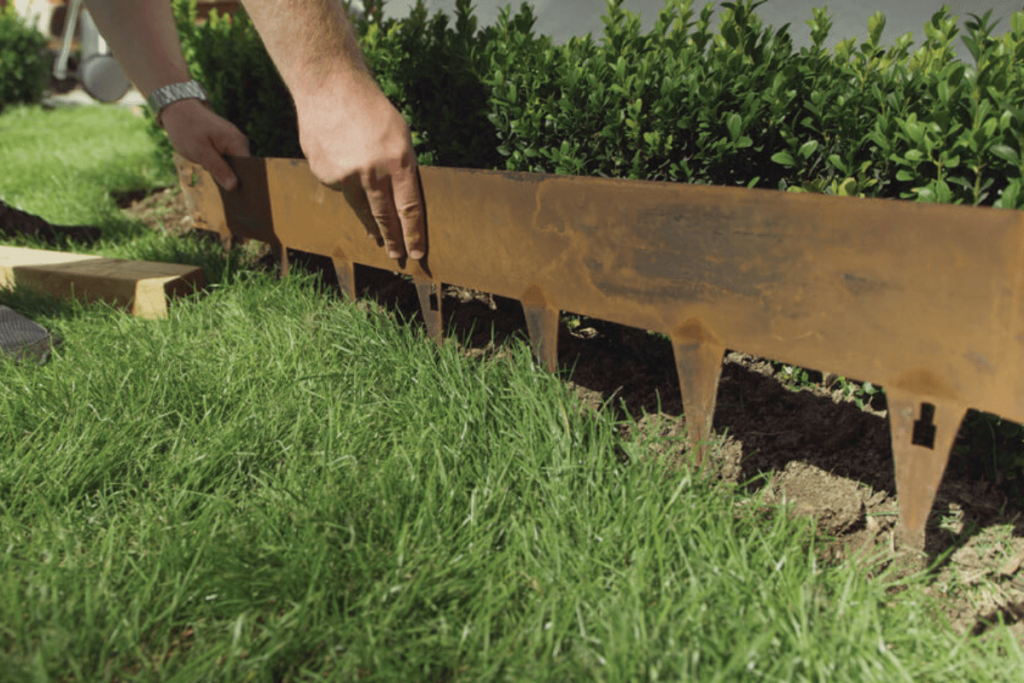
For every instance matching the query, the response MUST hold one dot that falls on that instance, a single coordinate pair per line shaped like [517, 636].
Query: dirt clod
[834, 502]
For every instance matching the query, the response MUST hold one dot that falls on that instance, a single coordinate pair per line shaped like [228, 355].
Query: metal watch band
[168, 94]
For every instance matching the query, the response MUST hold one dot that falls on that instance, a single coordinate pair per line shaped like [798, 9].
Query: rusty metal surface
[924, 300]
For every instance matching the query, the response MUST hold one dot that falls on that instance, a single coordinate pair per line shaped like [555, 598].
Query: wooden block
[141, 286]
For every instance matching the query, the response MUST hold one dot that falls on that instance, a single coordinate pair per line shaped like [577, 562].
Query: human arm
[142, 36]
[354, 139]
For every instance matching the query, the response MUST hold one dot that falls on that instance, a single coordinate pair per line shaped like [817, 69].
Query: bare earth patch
[162, 210]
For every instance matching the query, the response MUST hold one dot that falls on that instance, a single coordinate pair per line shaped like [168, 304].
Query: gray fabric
[20, 337]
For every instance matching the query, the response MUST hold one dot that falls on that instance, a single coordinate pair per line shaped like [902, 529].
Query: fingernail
[229, 183]
[416, 254]
[394, 254]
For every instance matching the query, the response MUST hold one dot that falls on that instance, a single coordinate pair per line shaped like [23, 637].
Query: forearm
[311, 42]
[353, 137]
[142, 36]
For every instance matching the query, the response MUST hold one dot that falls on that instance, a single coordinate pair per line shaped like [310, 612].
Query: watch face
[161, 97]
[168, 94]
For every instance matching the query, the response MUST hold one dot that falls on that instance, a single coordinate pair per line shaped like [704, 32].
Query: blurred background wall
[562, 19]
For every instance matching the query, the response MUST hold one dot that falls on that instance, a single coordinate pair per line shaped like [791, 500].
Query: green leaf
[903, 175]
[847, 188]
[1008, 200]
[734, 123]
[838, 162]
[876, 24]
[913, 129]
[1006, 153]
[784, 158]
[808, 148]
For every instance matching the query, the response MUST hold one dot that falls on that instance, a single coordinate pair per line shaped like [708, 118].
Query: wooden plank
[143, 287]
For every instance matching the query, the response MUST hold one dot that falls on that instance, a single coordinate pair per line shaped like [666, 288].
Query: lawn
[275, 484]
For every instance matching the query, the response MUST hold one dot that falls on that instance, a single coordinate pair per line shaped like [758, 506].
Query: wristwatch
[169, 94]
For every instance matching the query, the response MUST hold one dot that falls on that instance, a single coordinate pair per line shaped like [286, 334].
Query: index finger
[405, 187]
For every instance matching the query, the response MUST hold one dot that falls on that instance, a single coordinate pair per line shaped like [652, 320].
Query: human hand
[357, 142]
[203, 137]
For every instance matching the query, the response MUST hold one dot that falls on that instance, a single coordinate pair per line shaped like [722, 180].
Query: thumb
[231, 143]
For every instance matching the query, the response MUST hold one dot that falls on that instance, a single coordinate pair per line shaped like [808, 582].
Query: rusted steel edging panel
[922, 297]
[924, 300]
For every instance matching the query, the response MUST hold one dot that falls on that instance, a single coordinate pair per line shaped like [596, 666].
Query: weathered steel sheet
[924, 300]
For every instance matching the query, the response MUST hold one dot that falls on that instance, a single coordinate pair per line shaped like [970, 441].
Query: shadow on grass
[21, 226]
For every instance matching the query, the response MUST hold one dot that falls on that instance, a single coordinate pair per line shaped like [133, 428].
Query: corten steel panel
[924, 300]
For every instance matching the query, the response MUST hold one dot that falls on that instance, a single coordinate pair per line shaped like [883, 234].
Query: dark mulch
[17, 223]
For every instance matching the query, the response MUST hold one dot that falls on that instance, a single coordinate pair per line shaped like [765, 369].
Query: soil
[811, 449]
[160, 210]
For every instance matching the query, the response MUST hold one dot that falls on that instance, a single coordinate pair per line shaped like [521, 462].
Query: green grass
[275, 485]
[61, 163]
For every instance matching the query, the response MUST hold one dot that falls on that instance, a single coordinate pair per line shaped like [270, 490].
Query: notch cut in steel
[926, 301]
[920, 463]
[429, 294]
